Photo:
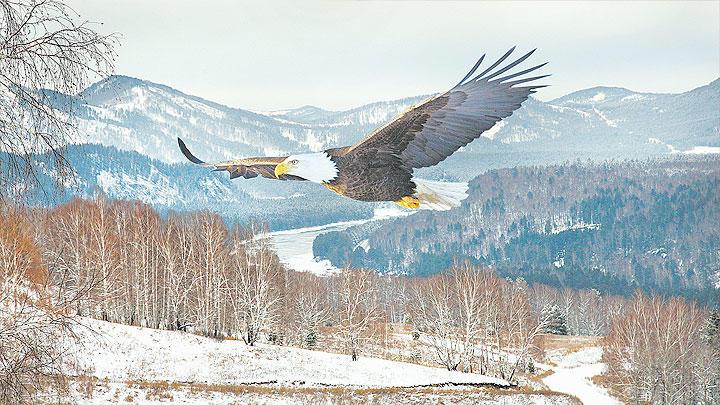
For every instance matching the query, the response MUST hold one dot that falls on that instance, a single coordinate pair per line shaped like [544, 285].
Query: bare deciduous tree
[358, 307]
[255, 295]
[436, 315]
[31, 325]
[308, 308]
[476, 322]
[46, 52]
[655, 353]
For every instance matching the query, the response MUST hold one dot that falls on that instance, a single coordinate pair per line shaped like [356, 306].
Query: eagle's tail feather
[438, 195]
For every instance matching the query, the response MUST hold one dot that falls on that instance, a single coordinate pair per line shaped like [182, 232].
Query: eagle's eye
[294, 162]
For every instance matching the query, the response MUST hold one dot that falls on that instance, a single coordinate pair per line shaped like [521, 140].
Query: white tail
[438, 195]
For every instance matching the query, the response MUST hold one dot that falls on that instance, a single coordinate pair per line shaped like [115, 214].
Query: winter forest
[582, 268]
[121, 262]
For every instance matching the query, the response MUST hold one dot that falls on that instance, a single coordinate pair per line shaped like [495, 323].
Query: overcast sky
[339, 55]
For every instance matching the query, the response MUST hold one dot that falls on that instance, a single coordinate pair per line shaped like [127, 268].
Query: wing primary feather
[185, 151]
[474, 68]
[526, 79]
[494, 65]
[502, 79]
[510, 66]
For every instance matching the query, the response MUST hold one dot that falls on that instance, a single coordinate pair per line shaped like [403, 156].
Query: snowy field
[124, 353]
[574, 372]
[119, 363]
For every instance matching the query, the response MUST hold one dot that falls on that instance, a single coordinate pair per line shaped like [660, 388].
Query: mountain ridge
[143, 117]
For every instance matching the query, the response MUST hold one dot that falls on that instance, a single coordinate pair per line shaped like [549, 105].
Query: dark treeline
[615, 227]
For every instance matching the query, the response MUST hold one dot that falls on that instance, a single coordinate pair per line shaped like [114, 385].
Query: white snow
[633, 97]
[575, 227]
[700, 150]
[598, 97]
[121, 353]
[364, 245]
[573, 375]
[153, 189]
[492, 132]
[605, 119]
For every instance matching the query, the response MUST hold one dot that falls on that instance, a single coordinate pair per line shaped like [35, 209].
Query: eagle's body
[380, 167]
[371, 182]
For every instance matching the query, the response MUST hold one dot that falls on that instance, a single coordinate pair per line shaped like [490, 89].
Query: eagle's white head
[315, 167]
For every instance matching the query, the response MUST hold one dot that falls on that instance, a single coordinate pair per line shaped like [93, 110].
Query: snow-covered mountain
[617, 119]
[184, 187]
[145, 117]
[134, 125]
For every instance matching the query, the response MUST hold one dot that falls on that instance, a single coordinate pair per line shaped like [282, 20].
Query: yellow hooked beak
[281, 169]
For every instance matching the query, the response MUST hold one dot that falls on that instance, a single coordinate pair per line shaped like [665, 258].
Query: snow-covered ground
[119, 363]
[121, 353]
[573, 374]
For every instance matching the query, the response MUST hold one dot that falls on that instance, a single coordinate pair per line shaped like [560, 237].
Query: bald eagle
[380, 166]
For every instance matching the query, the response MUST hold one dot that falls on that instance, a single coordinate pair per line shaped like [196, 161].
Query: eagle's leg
[408, 202]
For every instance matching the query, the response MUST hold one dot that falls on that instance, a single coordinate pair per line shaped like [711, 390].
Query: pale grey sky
[337, 55]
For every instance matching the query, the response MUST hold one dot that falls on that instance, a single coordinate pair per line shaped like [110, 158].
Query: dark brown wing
[246, 168]
[427, 134]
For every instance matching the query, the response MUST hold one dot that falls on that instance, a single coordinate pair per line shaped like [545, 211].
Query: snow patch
[699, 150]
[633, 97]
[575, 227]
[492, 132]
[364, 245]
[598, 97]
[605, 119]
[153, 189]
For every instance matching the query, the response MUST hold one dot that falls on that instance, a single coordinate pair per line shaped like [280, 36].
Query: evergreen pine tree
[554, 320]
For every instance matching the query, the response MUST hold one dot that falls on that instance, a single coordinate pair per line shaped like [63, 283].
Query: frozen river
[294, 246]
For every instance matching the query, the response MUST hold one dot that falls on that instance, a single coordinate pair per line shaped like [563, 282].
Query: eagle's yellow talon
[408, 202]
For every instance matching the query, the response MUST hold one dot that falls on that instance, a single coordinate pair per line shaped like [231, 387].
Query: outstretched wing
[427, 134]
[246, 168]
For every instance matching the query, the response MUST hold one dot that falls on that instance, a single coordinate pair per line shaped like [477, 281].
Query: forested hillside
[116, 174]
[613, 226]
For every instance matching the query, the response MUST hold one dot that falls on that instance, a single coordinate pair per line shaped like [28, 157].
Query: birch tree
[358, 309]
[45, 49]
[257, 277]
[655, 350]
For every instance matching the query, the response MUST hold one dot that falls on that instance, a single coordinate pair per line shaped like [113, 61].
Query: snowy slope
[145, 117]
[121, 353]
[137, 115]
[183, 187]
